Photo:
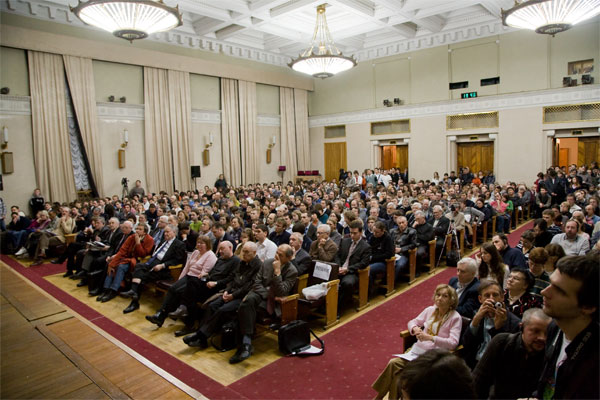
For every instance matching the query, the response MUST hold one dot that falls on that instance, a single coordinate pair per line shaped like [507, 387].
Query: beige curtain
[159, 165]
[51, 148]
[288, 134]
[230, 132]
[80, 75]
[302, 135]
[180, 110]
[248, 135]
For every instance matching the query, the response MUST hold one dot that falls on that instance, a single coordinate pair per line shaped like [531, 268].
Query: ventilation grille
[387, 127]
[337, 131]
[574, 112]
[472, 121]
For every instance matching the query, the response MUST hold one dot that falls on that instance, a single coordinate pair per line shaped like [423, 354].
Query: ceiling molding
[245, 31]
[580, 94]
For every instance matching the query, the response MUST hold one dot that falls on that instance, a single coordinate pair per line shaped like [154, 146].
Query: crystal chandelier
[129, 19]
[549, 16]
[322, 59]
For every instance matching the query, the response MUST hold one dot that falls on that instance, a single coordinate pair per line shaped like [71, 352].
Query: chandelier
[322, 59]
[129, 19]
[549, 16]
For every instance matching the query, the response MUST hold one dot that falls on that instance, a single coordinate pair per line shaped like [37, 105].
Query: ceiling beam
[356, 6]
[432, 24]
[203, 27]
[492, 8]
[290, 6]
[228, 31]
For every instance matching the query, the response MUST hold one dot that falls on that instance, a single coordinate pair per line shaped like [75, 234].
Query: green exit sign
[469, 95]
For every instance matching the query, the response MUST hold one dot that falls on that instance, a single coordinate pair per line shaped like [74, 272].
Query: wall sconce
[397, 101]
[206, 152]
[272, 143]
[4, 140]
[111, 98]
[5, 90]
[387, 103]
[122, 99]
[125, 138]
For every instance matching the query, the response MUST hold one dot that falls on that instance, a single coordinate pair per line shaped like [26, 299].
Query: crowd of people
[243, 247]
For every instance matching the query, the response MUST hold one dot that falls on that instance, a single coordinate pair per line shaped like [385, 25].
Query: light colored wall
[135, 162]
[350, 91]
[13, 71]
[317, 150]
[210, 173]
[520, 145]
[524, 61]
[114, 79]
[29, 33]
[357, 144]
[579, 43]
[19, 185]
[206, 92]
[427, 147]
[267, 98]
[269, 172]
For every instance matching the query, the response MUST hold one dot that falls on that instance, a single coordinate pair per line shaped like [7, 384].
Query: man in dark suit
[466, 284]
[276, 278]
[157, 233]
[218, 231]
[354, 254]
[311, 229]
[170, 252]
[440, 226]
[301, 258]
[382, 248]
[405, 239]
[555, 186]
[424, 234]
[96, 262]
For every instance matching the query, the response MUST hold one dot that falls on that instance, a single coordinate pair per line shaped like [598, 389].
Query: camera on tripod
[124, 181]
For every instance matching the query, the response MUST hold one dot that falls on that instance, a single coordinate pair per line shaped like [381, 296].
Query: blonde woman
[437, 327]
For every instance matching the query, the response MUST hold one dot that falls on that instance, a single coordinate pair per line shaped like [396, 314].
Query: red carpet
[354, 354]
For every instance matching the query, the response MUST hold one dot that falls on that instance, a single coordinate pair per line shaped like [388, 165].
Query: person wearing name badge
[436, 327]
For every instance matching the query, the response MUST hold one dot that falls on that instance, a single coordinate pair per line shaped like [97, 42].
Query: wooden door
[402, 157]
[388, 157]
[588, 150]
[563, 157]
[335, 158]
[477, 156]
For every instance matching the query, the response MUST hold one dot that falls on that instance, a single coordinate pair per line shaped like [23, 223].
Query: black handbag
[294, 338]
[228, 338]
[452, 258]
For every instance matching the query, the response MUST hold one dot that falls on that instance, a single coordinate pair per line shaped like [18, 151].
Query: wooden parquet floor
[46, 352]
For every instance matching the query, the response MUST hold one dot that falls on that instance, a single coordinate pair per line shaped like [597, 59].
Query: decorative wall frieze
[21, 105]
[268, 120]
[15, 105]
[574, 95]
[120, 111]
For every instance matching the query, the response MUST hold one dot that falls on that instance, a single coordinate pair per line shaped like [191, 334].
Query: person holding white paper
[436, 327]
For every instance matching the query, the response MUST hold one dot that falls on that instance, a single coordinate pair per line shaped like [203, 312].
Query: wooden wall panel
[335, 158]
[477, 156]
[588, 150]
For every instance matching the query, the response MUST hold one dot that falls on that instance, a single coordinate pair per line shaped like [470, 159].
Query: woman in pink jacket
[437, 327]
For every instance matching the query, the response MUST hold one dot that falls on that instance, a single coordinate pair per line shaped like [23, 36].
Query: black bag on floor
[294, 339]
[228, 337]
[452, 258]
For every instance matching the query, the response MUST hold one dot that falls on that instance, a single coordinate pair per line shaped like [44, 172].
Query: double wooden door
[477, 156]
[394, 157]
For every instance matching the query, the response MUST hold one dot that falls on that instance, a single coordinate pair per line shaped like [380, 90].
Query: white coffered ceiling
[273, 31]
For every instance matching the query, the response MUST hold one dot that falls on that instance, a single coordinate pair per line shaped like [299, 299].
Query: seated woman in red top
[437, 327]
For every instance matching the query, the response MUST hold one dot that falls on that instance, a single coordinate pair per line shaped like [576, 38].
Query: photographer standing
[138, 190]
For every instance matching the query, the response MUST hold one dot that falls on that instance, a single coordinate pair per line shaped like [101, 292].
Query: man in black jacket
[301, 258]
[440, 225]
[354, 254]
[170, 252]
[491, 318]
[224, 308]
[424, 234]
[572, 360]
[405, 239]
[276, 278]
[521, 352]
[466, 286]
[382, 248]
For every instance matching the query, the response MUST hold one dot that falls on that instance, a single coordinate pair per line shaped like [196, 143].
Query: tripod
[454, 239]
